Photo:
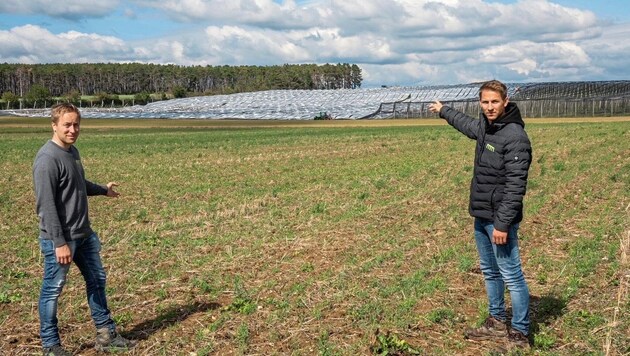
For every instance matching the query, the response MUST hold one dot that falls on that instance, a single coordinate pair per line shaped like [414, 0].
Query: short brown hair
[58, 110]
[495, 86]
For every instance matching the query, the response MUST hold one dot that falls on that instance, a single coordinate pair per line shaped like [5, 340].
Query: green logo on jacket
[489, 147]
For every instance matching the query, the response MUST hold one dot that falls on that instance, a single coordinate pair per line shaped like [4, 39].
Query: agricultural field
[321, 238]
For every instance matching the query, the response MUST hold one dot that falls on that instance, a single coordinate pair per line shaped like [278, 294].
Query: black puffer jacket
[502, 160]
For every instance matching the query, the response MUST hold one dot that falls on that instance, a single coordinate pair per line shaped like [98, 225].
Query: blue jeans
[85, 254]
[501, 265]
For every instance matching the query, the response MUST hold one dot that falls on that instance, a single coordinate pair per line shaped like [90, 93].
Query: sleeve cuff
[501, 226]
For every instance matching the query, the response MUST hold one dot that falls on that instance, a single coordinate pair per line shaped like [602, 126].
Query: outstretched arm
[435, 107]
[462, 122]
[97, 189]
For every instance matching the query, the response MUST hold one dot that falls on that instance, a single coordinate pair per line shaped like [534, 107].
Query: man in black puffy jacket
[502, 158]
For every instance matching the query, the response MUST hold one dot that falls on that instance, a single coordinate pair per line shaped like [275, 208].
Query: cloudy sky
[395, 42]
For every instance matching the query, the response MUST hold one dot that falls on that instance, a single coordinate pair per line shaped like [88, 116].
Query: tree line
[33, 82]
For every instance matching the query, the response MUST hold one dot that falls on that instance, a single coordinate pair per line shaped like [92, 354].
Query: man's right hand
[435, 107]
[64, 255]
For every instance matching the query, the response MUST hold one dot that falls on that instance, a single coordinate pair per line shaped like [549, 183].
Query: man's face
[492, 104]
[66, 130]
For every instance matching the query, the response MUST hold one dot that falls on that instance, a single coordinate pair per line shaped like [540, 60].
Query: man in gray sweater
[61, 192]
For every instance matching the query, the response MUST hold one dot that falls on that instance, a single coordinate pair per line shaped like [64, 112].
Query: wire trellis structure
[557, 99]
[574, 99]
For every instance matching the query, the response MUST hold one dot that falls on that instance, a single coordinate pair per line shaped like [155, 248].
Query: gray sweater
[61, 192]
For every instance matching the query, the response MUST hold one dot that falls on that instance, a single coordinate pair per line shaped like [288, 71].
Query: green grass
[300, 239]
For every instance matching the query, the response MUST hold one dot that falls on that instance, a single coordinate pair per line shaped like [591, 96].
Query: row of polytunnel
[284, 104]
[339, 103]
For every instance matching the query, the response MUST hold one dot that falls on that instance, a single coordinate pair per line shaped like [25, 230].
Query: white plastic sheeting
[283, 104]
[286, 104]
[342, 103]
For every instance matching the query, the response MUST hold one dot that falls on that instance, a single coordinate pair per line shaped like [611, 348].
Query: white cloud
[261, 13]
[540, 59]
[394, 41]
[239, 45]
[407, 73]
[610, 52]
[166, 52]
[33, 44]
[68, 9]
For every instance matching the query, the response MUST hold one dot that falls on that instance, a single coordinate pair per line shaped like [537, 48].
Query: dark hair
[58, 110]
[495, 86]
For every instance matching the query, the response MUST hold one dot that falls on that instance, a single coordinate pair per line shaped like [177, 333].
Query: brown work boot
[517, 340]
[56, 350]
[108, 340]
[489, 330]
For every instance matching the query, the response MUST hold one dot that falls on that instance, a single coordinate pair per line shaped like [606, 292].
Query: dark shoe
[56, 350]
[517, 340]
[490, 329]
[108, 340]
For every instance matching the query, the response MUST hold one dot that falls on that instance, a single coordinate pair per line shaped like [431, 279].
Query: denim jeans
[501, 265]
[85, 254]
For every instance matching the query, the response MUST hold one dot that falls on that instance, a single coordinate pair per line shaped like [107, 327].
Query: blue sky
[395, 42]
[609, 10]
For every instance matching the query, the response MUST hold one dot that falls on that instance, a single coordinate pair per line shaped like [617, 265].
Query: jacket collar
[512, 115]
